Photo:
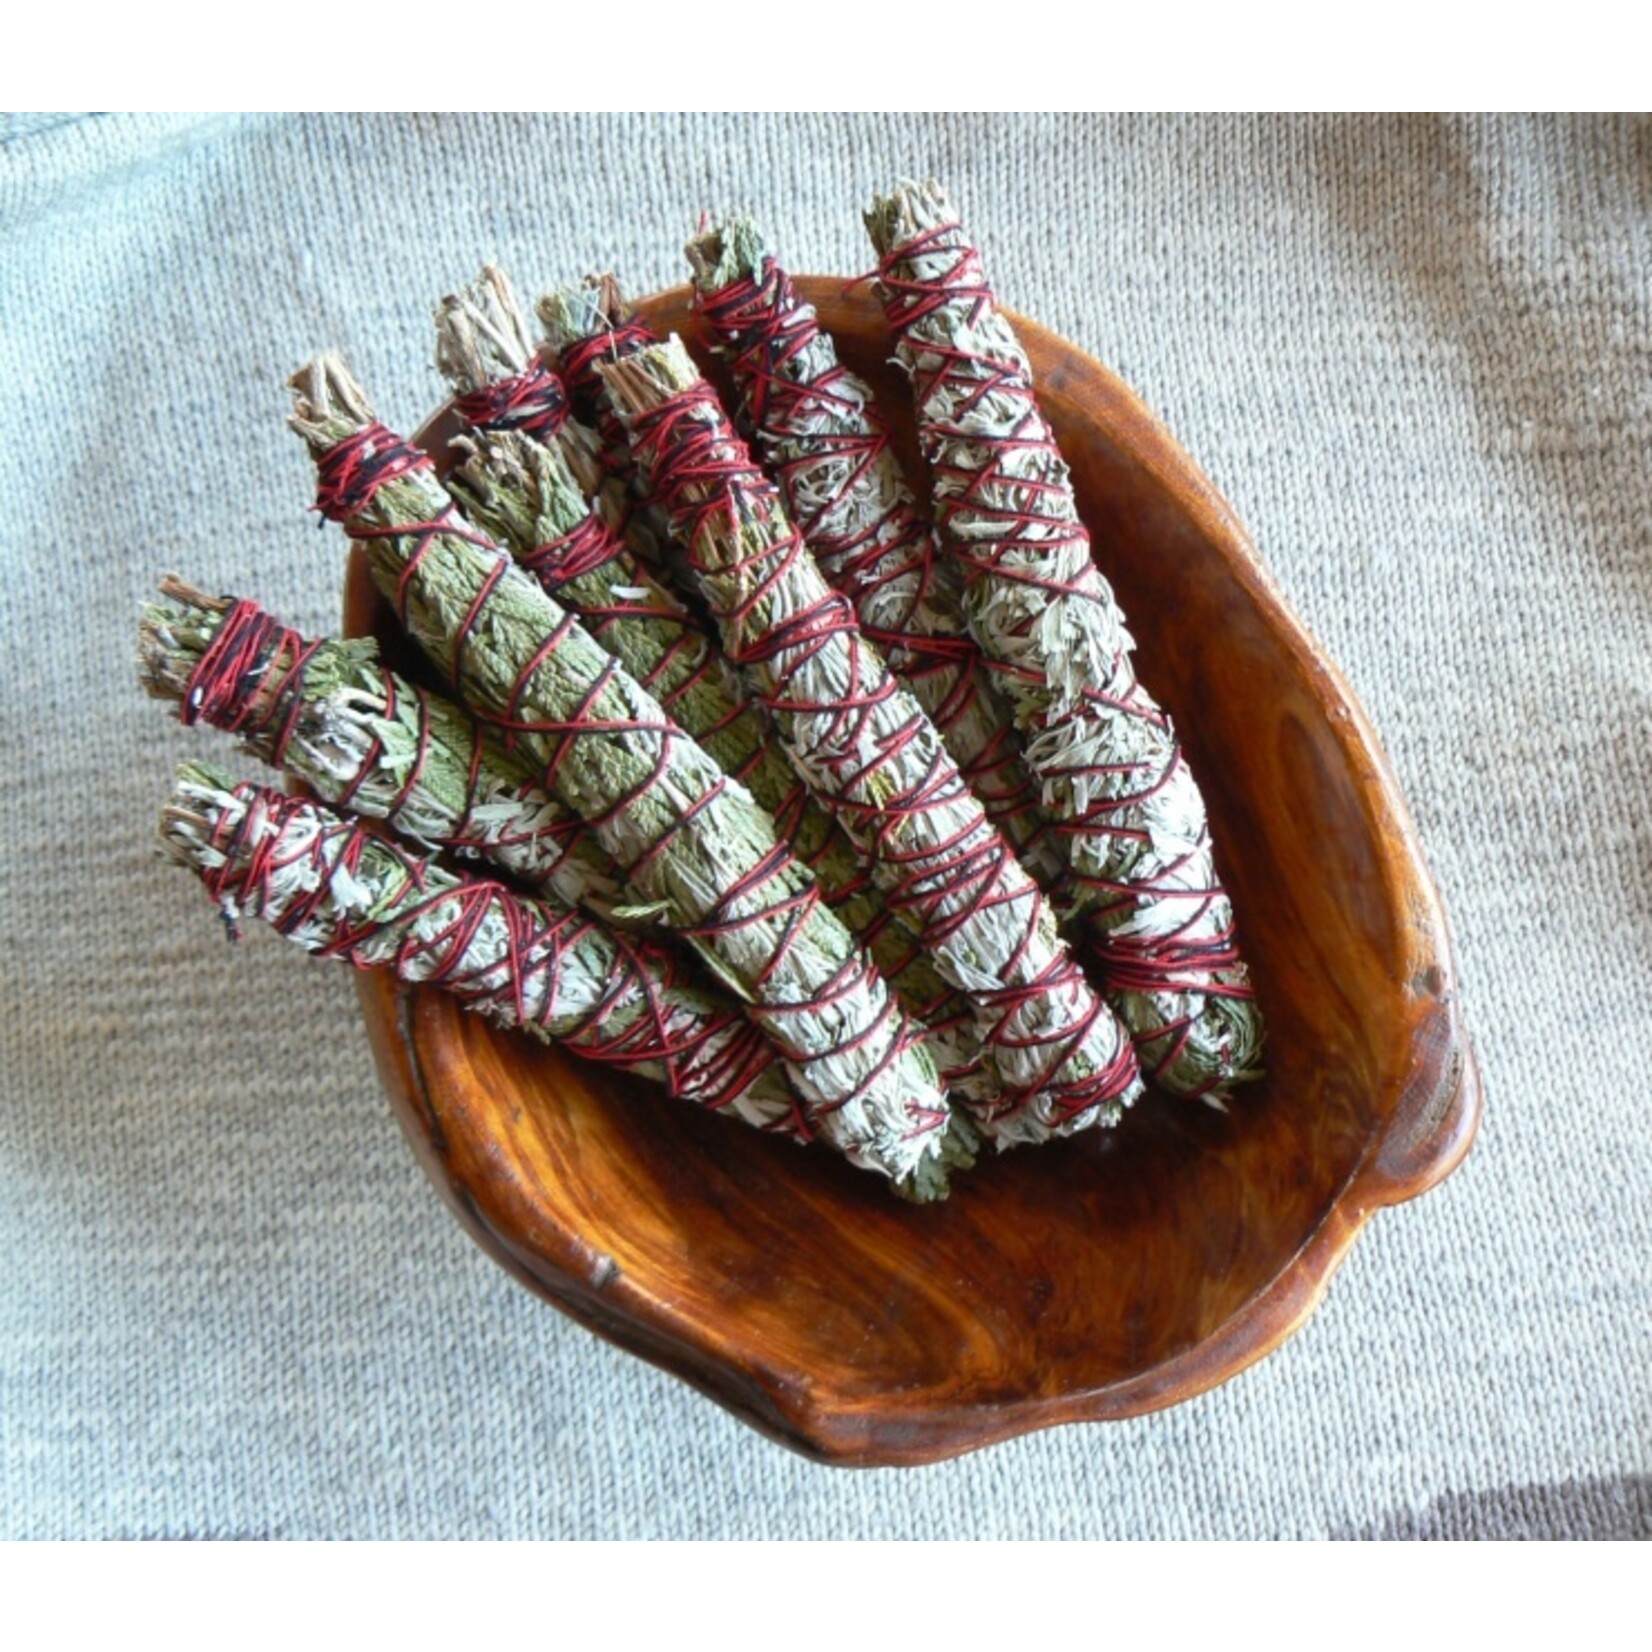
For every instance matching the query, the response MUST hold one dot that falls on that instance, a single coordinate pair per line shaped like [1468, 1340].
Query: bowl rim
[1426, 1139]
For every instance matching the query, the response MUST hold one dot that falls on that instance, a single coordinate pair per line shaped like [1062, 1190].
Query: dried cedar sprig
[687, 836]
[531, 962]
[1063, 1061]
[526, 497]
[825, 443]
[1130, 815]
[366, 739]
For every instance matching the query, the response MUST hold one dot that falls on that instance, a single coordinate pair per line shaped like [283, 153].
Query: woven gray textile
[1417, 357]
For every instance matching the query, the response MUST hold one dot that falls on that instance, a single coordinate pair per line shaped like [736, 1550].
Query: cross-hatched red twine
[534, 401]
[588, 548]
[710, 1057]
[1017, 528]
[772, 892]
[592, 545]
[767, 330]
[579, 366]
[944, 879]
[250, 681]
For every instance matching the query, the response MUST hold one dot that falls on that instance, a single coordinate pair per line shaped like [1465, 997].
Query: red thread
[592, 544]
[711, 1058]
[351, 475]
[586, 549]
[247, 678]
[615, 342]
[350, 472]
[767, 331]
[579, 366]
[534, 401]
[250, 681]
[707, 480]
[1015, 525]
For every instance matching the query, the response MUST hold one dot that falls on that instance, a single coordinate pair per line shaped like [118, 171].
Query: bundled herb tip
[819, 794]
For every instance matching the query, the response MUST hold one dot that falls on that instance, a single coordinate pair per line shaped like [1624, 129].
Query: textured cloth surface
[1416, 356]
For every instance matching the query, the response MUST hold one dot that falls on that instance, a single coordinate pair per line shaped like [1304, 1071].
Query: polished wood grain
[1096, 1278]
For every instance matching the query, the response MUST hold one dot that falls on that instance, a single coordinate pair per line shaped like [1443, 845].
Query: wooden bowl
[1096, 1278]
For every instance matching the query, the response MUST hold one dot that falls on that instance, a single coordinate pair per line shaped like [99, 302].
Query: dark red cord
[711, 1058]
[534, 401]
[766, 328]
[1019, 538]
[708, 481]
[250, 681]
[350, 475]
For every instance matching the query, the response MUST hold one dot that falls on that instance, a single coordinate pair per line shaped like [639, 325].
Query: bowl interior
[1077, 1279]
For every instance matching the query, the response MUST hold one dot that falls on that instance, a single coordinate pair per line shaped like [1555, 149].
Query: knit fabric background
[1415, 354]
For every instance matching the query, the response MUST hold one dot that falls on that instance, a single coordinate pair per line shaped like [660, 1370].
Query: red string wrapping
[534, 401]
[250, 680]
[247, 679]
[643, 1019]
[595, 544]
[771, 891]
[680, 676]
[588, 548]
[1016, 527]
[890, 566]
[945, 880]
[579, 368]
[623, 338]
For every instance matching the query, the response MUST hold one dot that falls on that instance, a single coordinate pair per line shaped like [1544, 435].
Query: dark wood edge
[1440, 1111]
[386, 1004]
[842, 1437]
[1429, 1136]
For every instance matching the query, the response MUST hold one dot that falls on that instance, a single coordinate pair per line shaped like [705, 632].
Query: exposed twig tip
[482, 333]
[583, 309]
[328, 403]
[733, 250]
[653, 375]
[179, 590]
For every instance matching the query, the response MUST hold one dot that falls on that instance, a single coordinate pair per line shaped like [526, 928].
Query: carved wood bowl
[1096, 1278]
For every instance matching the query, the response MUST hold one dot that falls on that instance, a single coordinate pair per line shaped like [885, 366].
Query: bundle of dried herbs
[690, 840]
[530, 496]
[1131, 817]
[501, 382]
[526, 498]
[864, 743]
[365, 739]
[825, 443]
[587, 323]
[324, 882]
